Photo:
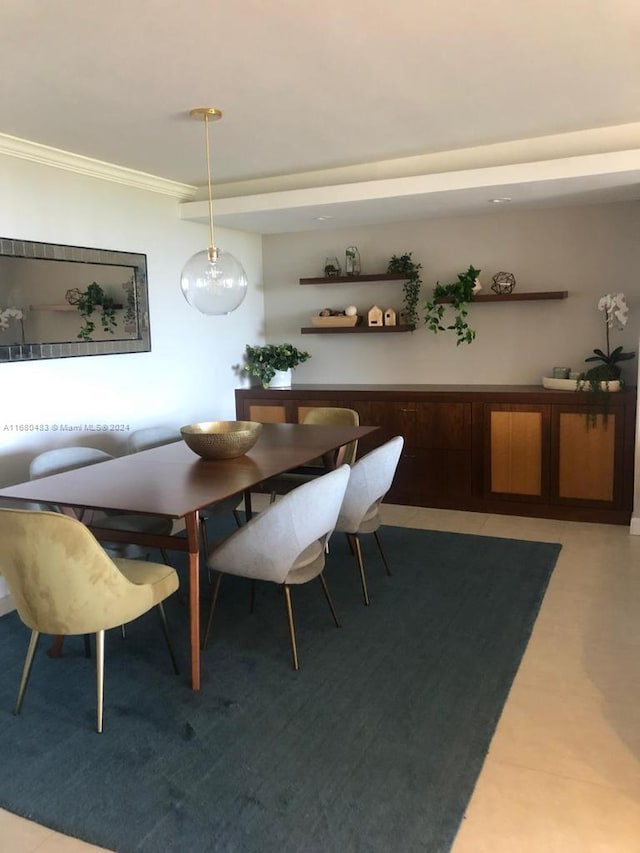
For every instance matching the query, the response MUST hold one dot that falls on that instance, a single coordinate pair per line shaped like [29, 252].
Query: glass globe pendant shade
[213, 282]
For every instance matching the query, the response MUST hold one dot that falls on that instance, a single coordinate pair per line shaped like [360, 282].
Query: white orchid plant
[7, 314]
[616, 312]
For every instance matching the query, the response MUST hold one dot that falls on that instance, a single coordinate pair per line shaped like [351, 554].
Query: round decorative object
[503, 282]
[326, 312]
[351, 311]
[213, 282]
[221, 439]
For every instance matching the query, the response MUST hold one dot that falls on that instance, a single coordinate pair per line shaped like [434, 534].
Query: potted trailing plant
[460, 294]
[597, 379]
[406, 266]
[264, 361]
[86, 301]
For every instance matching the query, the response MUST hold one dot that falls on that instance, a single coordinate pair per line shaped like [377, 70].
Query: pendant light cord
[206, 136]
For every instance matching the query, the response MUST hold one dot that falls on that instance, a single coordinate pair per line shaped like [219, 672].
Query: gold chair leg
[165, 631]
[292, 630]
[355, 544]
[26, 670]
[382, 554]
[99, 678]
[214, 598]
[325, 589]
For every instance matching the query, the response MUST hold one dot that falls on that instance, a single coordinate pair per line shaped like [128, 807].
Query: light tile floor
[563, 771]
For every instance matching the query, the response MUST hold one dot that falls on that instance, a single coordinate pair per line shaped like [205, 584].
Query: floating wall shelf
[354, 279]
[513, 297]
[354, 330]
[64, 306]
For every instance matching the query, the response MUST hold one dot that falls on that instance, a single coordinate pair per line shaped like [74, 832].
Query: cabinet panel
[266, 414]
[517, 441]
[516, 452]
[586, 457]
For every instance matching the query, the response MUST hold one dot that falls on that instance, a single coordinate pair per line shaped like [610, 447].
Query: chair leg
[26, 670]
[216, 590]
[165, 556]
[292, 629]
[236, 515]
[382, 554]
[355, 544]
[325, 589]
[165, 631]
[99, 678]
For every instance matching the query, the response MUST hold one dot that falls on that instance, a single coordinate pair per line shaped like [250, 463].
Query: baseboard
[6, 605]
[634, 527]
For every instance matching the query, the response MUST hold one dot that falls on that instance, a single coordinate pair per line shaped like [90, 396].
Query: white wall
[588, 251]
[188, 375]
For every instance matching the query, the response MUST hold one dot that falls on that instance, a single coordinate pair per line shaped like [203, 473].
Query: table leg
[193, 540]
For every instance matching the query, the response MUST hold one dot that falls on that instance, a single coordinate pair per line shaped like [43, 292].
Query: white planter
[282, 379]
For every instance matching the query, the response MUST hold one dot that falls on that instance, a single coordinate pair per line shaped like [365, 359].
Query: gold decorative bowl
[221, 439]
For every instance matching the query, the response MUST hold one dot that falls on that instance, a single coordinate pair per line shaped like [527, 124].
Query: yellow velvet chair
[345, 455]
[64, 583]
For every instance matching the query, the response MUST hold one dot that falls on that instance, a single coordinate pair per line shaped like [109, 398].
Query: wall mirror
[58, 301]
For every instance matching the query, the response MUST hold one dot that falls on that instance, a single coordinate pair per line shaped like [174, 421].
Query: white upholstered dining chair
[370, 480]
[64, 583]
[62, 459]
[284, 544]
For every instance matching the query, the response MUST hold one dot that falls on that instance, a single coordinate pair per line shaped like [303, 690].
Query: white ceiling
[403, 109]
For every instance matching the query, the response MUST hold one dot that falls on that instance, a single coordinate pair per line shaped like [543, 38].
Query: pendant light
[212, 281]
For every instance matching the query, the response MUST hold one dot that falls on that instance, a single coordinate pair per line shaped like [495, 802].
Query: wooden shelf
[354, 279]
[512, 297]
[354, 330]
[64, 306]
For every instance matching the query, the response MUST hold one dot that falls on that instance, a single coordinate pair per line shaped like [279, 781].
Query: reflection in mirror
[58, 301]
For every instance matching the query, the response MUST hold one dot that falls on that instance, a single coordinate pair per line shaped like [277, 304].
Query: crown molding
[23, 149]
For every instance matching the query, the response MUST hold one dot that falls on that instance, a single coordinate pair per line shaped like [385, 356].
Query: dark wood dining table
[174, 482]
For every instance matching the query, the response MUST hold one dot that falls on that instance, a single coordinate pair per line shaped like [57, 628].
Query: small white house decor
[374, 316]
[390, 317]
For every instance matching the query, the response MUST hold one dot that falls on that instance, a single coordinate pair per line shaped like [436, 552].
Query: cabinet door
[435, 465]
[517, 451]
[587, 457]
[271, 411]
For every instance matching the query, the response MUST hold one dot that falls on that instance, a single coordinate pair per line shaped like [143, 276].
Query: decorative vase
[352, 261]
[282, 379]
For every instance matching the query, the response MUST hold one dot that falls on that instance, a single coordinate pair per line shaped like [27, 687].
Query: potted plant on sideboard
[272, 363]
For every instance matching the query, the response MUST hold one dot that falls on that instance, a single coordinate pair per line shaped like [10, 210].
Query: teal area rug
[373, 747]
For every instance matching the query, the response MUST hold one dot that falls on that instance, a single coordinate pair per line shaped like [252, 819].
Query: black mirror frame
[57, 252]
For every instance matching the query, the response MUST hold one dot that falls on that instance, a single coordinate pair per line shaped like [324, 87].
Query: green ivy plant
[406, 266]
[264, 361]
[86, 301]
[460, 293]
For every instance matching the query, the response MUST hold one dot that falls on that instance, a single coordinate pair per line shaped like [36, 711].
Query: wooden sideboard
[516, 450]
